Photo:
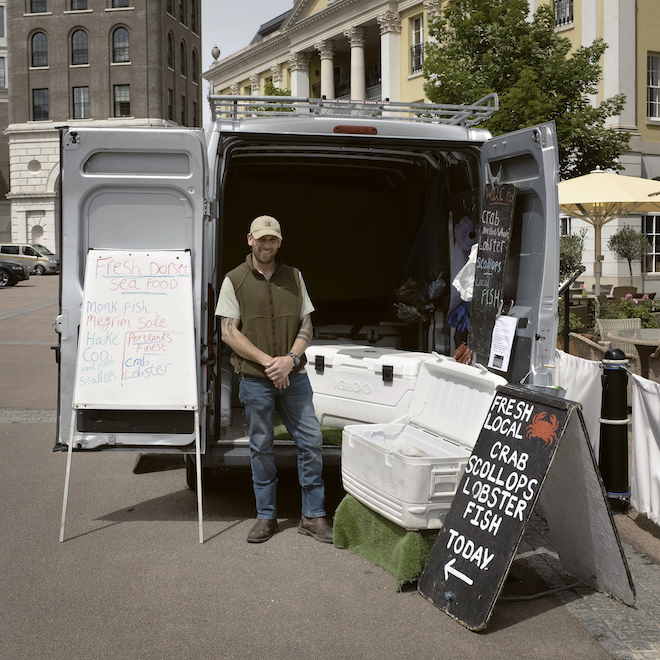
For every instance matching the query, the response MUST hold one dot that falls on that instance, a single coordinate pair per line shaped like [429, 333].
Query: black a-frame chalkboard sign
[494, 240]
[532, 447]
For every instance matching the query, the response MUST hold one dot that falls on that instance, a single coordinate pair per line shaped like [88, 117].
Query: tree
[271, 90]
[571, 247]
[482, 46]
[629, 245]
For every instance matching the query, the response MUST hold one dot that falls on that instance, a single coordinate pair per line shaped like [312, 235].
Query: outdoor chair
[605, 326]
[620, 292]
[654, 366]
[590, 350]
[587, 349]
[605, 289]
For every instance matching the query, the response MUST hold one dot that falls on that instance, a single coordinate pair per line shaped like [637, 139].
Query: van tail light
[356, 130]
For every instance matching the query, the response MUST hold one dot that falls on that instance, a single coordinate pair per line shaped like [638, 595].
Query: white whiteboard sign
[136, 346]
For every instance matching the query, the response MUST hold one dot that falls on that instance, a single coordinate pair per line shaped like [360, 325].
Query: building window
[182, 59]
[651, 225]
[122, 94]
[193, 15]
[3, 80]
[38, 6]
[39, 49]
[170, 105]
[170, 7]
[183, 110]
[194, 112]
[79, 53]
[119, 3]
[417, 50]
[653, 86]
[121, 51]
[39, 104]
[78, 5]
[170, 51]
[81, 102]
[193, 71]
[2, 22]
[182, 11]
[563, 12]
[564, 225]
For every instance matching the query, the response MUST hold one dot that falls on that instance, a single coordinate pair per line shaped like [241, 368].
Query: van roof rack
[240, 107]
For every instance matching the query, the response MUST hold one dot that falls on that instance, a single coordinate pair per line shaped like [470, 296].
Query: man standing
[265, 320]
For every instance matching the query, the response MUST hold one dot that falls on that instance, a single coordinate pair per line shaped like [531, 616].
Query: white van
[30, 256]
[357, 186]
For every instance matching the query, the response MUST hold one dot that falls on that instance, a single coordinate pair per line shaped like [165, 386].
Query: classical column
[276, 72]
[299, 74]
[356, 37]
[390, 55]
[255, 83]
[326, 50]
[433, 9]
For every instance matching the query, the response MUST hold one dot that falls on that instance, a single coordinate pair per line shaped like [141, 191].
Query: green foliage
[271, 90]
[633, 308]
[483, 46]
[571, 247]
[629, 245]
[574, 323]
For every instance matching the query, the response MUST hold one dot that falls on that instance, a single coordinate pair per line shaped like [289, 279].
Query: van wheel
[191, 474]
[39, 270]
[4, 278]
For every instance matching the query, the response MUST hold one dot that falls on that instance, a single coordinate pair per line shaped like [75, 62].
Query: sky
[230, 26]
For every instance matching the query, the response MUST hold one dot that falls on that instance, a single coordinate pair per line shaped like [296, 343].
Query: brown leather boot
[262, 530]
[317, 528]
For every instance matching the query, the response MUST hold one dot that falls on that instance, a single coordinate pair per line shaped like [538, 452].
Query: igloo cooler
[361, 384]
[409, 470]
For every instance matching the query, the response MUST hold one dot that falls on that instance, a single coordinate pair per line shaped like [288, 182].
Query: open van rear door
[529, 159]
[128, 189]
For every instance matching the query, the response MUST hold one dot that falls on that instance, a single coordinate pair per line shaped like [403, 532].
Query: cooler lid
[451, 400]
[371, 359]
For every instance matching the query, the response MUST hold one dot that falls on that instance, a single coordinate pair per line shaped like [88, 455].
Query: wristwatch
[296, 359]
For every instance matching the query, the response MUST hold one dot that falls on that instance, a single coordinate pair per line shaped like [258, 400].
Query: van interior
[370, 225]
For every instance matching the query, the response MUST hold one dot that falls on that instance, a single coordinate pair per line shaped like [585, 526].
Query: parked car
[22, 253]
[12, 273]
[43, 250]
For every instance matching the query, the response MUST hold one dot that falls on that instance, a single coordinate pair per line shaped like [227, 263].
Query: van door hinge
[206, 399]
[209, 208]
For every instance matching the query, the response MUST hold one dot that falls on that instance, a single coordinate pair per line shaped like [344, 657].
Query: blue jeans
[294, 403]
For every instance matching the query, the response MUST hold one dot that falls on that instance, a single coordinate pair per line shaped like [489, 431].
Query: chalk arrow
[449, 568]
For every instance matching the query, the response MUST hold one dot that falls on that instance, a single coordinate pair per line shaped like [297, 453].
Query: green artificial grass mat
[331, 435]
[399, 551]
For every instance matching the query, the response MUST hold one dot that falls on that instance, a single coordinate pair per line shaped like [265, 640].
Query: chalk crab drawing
[543, 429]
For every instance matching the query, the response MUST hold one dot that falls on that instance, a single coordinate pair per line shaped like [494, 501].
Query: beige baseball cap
[265, 225]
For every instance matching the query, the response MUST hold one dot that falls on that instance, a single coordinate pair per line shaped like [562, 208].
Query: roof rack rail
[240, 107]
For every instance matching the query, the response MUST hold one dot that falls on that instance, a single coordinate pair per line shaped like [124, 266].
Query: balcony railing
[563, 12]
[417, 58]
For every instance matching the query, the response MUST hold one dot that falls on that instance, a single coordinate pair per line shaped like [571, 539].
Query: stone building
[5, 218]
[93, 63]
[374, 50]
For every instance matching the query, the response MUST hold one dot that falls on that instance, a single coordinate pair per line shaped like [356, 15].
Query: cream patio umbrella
[600, 197]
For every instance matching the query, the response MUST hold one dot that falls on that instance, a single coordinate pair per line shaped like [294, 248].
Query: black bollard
[614, 430]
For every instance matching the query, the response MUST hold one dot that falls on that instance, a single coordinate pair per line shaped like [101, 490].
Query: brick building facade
[93, 62]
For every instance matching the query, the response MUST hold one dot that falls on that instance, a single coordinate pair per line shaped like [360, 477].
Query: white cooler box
[361, 384]
[408, 470]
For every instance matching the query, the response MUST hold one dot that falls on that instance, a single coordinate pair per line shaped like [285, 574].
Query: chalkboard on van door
[136, 345]
[494, 240]
[529, 443]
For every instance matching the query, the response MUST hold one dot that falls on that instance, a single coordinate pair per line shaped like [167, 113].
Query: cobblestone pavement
[626, 633]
